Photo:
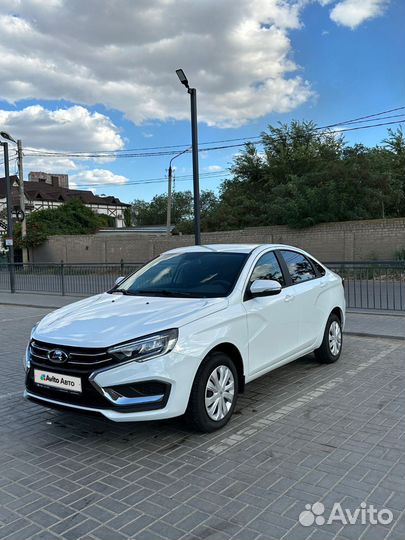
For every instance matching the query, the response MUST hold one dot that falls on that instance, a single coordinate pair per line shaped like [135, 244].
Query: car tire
[332, 342]
[214, 393]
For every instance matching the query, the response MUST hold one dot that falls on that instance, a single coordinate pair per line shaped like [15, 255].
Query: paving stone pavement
[304, 433]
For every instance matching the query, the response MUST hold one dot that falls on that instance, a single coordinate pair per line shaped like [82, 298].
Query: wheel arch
[339, 313]
[233, 352]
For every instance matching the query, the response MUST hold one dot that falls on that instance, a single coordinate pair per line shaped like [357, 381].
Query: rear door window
[320, 269]
[299, 267]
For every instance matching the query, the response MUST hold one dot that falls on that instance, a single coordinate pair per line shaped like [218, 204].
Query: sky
[95, 76]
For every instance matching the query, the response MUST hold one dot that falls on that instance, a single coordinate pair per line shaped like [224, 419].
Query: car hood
[108, 319]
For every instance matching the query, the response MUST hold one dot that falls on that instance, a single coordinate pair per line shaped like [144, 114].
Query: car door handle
[288, 298]
[322, 283]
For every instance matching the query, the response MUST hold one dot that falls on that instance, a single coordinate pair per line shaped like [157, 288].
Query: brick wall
[341, 241]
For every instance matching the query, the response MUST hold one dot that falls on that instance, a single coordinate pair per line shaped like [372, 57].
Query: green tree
[306, 176]
[155, 211]
[128, 216]
[72, 217]
[301, 176]
[394, 144]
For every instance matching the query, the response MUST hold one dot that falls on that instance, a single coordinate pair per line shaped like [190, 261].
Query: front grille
[79, 358]
[82, 362]
[89, 396]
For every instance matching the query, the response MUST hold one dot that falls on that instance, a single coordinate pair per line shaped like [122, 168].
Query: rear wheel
[214, 393]
[331, 346]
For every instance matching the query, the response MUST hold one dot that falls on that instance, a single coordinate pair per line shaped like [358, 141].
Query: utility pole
[9, 202]
[169, 199]
[169, 189]
[22, 197]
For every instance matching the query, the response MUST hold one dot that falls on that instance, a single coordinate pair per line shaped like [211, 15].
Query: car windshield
[195, 274]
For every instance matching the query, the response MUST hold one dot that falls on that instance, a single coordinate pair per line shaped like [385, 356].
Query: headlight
[33, 329]
[26, 361]
[145, 348]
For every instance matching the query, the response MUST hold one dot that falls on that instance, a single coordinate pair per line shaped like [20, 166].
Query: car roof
[230, 248]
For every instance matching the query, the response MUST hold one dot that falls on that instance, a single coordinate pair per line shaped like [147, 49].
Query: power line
[363, 117]
[164, 150]
[10, 160]
[238, 145]
[183, 178]
[367, 127]
[209, 149]
[143, 183]
[398, 116]
[210, 175]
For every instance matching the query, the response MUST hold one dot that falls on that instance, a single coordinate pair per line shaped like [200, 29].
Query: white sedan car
[186, 332]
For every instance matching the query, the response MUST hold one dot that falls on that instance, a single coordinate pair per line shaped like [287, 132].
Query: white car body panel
[270, 318]
[266, 331]
[107, 319]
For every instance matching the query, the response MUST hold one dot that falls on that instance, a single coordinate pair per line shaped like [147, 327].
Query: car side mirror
[265, 287]
[118, 280]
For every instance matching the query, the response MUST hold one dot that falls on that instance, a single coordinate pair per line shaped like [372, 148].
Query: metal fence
[373, 284]
[64, 279]
[368, 285]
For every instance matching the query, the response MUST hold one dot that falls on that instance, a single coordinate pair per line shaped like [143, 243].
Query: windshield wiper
[124, 291]
[165, 292]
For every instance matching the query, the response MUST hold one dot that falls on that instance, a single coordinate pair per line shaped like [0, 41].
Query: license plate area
[58, 381]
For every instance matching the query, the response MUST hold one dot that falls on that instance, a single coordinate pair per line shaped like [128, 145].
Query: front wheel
[331, 346]
[214, 393]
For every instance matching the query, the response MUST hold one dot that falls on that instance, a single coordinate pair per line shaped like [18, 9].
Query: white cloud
[352, 13]
[214, 168]
[94, 177]
[124, 55]
[56, 165]
[65, 129]
[62, 130]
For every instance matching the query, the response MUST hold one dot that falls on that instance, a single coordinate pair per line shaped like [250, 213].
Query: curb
[376, 312]
[30, 305]
[379, 336]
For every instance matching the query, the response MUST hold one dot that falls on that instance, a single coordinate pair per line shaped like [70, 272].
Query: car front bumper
[173, 371]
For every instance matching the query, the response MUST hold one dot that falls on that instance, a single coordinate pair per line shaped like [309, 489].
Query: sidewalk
[358, 323]
[36, 300]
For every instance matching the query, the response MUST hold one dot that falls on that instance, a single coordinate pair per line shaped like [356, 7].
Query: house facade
[42, 196]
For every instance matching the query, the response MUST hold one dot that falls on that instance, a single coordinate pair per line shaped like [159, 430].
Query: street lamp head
[182, 77]
[7, 136]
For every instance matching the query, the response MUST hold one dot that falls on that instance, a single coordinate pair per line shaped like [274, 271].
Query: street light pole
[196, 175]
[194, 140]
[9, 202]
